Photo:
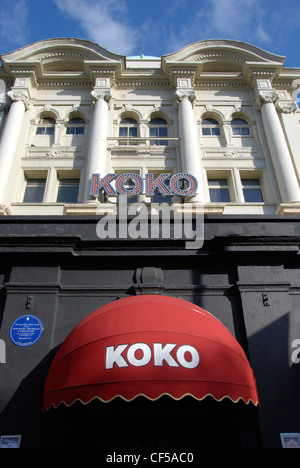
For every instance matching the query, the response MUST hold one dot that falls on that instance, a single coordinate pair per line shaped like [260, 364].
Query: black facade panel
[246, 274]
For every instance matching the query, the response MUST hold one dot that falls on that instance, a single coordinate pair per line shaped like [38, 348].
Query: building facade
[81, 127]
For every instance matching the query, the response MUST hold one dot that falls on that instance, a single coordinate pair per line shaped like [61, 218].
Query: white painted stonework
[44, 85]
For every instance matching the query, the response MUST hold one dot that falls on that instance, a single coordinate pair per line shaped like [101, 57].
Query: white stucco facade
[224, 112]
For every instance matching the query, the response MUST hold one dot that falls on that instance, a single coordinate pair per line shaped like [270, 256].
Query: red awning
[152, 346]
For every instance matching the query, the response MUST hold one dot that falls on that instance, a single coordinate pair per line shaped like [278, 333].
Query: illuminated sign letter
[130, 192]
[183, 192]
[151, 185]
[97, 184]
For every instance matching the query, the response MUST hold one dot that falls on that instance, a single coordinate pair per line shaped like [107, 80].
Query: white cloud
[103, 22]
[227, 19]
[13, 24]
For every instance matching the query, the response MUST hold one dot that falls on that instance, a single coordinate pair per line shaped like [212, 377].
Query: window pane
[210, 127]
[68, 191]
[49, 130]
[253, 195]
[219, 195]
[123, 131]
[132, 131]
[163, 131]
[79, 130]
[250, 182]
[128, 120]
[34, 192]
[158, 121]
[153, 132]
[218, 183]
[209, 122]
[252, 190]
[218, 190]
[206, 131]
[245, 131]
[160, 130]
[76, 120]
[70, 131]
[239, 122]
[40, 130]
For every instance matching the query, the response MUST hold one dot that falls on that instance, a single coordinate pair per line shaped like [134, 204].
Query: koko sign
[140, 354]
[181, 184]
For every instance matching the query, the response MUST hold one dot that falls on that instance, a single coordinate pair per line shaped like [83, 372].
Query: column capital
[266, 97]
[185, 94]
[287, 107]
[19, 96]
[101, 94]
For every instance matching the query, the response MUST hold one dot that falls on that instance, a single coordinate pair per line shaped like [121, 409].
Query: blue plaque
[26, 330]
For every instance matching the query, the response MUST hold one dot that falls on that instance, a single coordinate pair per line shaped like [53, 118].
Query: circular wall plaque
[26, 330]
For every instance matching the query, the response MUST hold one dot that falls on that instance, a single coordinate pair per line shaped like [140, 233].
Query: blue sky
[158, 27]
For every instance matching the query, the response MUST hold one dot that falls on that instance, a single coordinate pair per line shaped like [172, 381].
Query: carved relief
[268, 96]
[287, 107]
[17, 96]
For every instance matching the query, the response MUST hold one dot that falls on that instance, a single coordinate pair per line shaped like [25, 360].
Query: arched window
[240, 127]
[75, 126]
[158, 128]
[210, 127]
[45, 126]
[128, 128]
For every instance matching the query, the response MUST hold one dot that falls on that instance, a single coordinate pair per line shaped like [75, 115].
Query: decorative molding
[5, 210]
[17, 96]
[287, 107]
[189, 94]
[288, 209]
[267, 97]
[55, 152]
[232, 154]
[97, 94]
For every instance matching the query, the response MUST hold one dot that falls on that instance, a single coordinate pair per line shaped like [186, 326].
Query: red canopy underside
[80, 369]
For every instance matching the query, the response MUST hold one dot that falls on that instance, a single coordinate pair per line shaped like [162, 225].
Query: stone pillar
[96, 161]
[289, 117]
[189, 142]
[10, 136]
[281, 158]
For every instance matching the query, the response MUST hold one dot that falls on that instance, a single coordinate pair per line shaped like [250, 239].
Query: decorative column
[281, 158]
[289, 117]
[96, 161]
[189, 143]
[10, 136]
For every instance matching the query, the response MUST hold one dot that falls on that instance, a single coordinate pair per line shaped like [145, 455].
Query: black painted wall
[246, 274]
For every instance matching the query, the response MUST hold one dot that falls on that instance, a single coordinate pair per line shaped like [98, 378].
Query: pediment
[66, 53]
[223, 51]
